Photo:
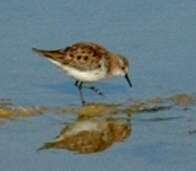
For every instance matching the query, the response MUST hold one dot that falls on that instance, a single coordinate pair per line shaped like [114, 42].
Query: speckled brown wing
[83, 56]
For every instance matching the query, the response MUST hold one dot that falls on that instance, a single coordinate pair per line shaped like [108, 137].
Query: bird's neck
[113, 68]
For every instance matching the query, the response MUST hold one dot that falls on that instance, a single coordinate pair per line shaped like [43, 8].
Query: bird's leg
[81, 93]
[93, 88]
[76, 83]
[79, 85]
[96, 90]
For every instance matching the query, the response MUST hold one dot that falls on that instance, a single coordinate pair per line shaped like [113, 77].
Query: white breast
[86, 76]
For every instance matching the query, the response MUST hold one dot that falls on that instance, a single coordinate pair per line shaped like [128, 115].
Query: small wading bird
[87, 62]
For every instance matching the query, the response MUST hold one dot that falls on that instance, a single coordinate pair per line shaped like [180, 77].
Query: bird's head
[121, 67]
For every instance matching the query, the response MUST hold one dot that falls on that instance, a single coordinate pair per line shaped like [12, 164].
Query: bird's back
[82, 56]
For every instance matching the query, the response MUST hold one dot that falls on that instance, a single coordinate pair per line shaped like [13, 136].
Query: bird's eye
[123, 68]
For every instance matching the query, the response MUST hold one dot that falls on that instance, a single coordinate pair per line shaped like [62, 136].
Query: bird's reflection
[92, 134]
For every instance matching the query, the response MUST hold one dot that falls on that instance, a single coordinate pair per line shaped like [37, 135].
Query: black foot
[96, 90]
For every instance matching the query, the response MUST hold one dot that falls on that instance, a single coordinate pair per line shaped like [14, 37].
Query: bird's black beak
[128, 80]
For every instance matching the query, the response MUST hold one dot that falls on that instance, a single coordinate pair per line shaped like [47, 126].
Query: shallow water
[148, 127]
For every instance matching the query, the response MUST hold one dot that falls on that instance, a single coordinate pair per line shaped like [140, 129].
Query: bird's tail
[51, 54]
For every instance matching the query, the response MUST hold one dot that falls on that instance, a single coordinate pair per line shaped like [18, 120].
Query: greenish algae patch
[97, 110]
[5, 113]
[183, 100]
[8, 110]
[14, 113]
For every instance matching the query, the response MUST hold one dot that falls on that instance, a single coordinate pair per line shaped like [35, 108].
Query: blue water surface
[158, 37]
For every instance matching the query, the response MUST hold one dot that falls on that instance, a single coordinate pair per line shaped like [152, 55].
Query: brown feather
[83, 56]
